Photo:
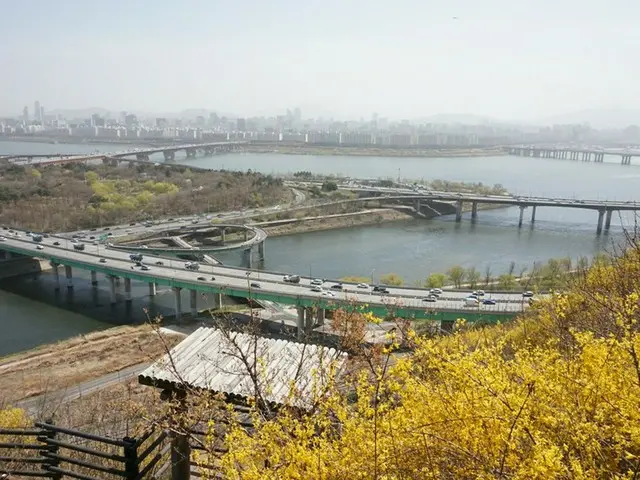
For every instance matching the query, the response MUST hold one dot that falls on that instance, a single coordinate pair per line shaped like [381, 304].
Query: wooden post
[131, 466]
[50, 434]
[180, 448]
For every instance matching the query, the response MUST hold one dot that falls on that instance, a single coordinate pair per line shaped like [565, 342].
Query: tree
[456, 274]
[487, 276]
[436, 280]
[506, 281]
[329, 186]
[473, 277]
[391, 279]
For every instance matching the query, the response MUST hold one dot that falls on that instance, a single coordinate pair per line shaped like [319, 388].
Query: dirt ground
[54, 367]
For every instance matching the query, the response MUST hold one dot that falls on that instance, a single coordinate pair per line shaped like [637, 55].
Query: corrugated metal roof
[217, 361]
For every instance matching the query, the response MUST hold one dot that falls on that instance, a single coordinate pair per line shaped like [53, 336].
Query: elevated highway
[217, 280]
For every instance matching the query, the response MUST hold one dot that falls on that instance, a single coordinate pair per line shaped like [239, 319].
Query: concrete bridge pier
[246, 258]
[417, 205]
[117, 281]
[300, 323]
[112, 290]
[474, 210]
[191, 152]
[261, 251]
[600, 220]
[607, 221]
[69, 274]
[152, 289]
[320, 316]
[169, 156]
[459, 211]
[94, 278]
[533, 214]
[144, 157]
[223, 234]
[193, 300]
[217, 301]
[246, 235]
[56, 275]
[127, 290]
[522, 207]
[177, 291]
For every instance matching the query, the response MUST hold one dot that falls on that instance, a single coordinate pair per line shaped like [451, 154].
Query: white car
[316, 288]
[2, 239]
[328, 293]
[362, 285]
[39, 247]
[316, 281]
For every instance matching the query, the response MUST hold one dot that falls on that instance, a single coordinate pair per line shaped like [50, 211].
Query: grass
[79, 359]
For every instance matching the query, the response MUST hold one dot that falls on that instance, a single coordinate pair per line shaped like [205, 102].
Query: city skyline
[513, 63]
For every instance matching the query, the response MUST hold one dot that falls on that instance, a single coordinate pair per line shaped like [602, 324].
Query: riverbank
[57, 366]
[373, 151]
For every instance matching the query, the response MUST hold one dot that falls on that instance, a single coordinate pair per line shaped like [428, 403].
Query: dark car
[202, 279]
[488, 301]
[527, 294]
[255, 285]
[337, 286]
[56, 243]
[213, 279]
[159, 263]
[381, 289]
[103, 260]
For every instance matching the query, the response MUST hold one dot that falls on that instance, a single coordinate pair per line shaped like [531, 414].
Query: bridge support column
[56, 275]
[261, 251]
[474, 210]
[223, 234]
[193, 300]
[417, 206]
[127, 290]
[69, 274]
[522, 207]
[152, 289]
[217, 301]
[459, 211]
[607, 221]
[320, 315]
[117, 280]
[533, 214]
[246, 235]
[112, 289]
[600, 220]
[178, 301]
[94, 278]
[191, 152]
[309, 320]
[246, 258]
[300, 323]
[169, 156]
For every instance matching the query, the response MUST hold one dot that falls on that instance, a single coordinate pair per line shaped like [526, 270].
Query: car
[39, 247]
[75, 235]
[56, 244]
[144, 246]
[488, 301]
[73, 240]
[145, 268]
[316, 288]
[291, 278]
[132, 223]
[202, 279]
[106, 228]
[317, 281]
[46, 235]
[337, 286]
[380, 288]
[430, 298]
[435, 291]
[479, 293]
[3, 239]
[92, 237]
[5, 228]
[473, 295]
[362, 285]
[29, 234]
[328, 293]
[213, 279]
[103, 260]
[159, 263]
[255, 285]
[527, 294]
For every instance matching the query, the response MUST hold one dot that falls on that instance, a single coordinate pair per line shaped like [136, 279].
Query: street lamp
[372, 272]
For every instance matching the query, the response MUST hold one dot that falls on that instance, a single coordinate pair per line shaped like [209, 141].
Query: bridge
[604, 208]
[176, 236]
[141, 154]
[572, 153]
[219, 280]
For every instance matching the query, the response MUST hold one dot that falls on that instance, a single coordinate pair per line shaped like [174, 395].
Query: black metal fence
[49, 451]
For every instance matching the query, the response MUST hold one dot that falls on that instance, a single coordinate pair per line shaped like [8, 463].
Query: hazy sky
[509, 59]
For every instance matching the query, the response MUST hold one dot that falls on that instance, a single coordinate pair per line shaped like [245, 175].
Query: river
[412, 249]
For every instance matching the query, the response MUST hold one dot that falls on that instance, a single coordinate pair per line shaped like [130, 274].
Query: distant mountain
[78, 112]
[599, 118]
[464, 119]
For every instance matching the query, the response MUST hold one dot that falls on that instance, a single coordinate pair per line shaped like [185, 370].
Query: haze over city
[525, 61]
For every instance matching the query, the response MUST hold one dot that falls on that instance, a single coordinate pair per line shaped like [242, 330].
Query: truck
[36, 238]
[192, 266]
[136, 257]
[78, 246]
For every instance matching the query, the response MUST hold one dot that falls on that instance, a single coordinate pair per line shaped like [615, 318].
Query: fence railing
[49, 451]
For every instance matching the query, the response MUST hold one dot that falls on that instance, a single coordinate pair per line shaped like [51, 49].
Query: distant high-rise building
[130, 120]
[25, 114]
[297, 114]
[241, 125]
[41, 113]
[161, 122]
[36, 112]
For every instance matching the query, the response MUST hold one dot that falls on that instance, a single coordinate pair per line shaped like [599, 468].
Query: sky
[506, 59]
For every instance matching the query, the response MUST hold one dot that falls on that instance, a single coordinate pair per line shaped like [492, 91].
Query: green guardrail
[425, 313]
